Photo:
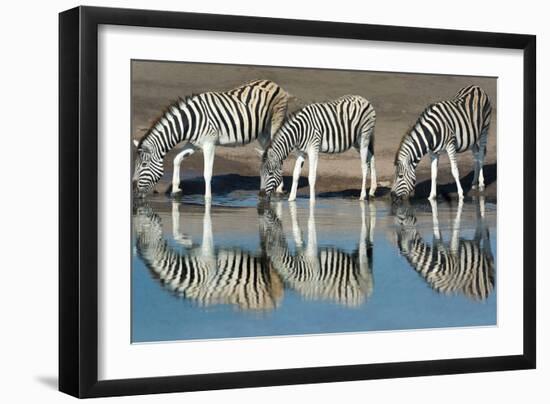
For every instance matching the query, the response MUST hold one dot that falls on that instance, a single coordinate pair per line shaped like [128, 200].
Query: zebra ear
[136, 143]
[259, 151]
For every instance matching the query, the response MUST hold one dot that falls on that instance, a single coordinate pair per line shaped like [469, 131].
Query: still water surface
[234, 269]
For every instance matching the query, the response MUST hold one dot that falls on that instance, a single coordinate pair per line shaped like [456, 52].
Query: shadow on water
[422, 190]
[227, 183]
[446, 190]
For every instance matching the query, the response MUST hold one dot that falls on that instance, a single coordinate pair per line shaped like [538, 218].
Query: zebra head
[148, 168]
[404, 180]
[405, 221]
[271, 173]
[147, 229]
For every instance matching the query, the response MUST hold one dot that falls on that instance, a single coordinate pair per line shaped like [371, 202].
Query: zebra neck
[180, 122]
[284, 143]
[411, 150]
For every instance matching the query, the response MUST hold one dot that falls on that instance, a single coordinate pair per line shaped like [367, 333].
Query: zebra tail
[371, 143]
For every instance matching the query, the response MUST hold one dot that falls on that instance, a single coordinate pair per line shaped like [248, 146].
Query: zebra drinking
[454, 126]
[462, 266]
[232, 118]
[328, 127]
[203, 274]
[319, 273]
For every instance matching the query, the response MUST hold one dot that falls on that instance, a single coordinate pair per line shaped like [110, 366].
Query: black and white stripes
[232, 118]
[453, 126]
[328, 127]
[326, 273]
[460, 267]
[203, 274]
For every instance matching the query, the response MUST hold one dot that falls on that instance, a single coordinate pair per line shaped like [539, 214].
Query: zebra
[328, 127]
[232, 118]
[454, 126]
[463, 266]
[202, 274]
[319, 273]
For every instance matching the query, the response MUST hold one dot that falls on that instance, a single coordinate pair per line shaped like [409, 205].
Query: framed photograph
[251, 201]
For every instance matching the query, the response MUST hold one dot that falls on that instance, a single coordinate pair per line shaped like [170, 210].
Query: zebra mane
[403, 138]
[175, 103]
[290, 116]
[408, 132]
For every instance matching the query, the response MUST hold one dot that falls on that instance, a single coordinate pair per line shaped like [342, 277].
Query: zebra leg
[479, 156]
[481, 179]
[208, 150]
[365, 249]
[363, 236]
[312, 175]
[311, 249]
[296, 232]
[481, 159]
[370, 161]
[482, 207]
[451, 151]
[182, 239]
[207, 246]
[455, 233]
[279, 210]
[296, 177]
[475, 180]
[373, 180]
[365, 169]
[433, 191]
[372, 220]
[187, 150]
[435, 220]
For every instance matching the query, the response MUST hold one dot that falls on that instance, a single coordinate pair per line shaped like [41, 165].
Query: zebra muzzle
[395, 199]
[263, 195]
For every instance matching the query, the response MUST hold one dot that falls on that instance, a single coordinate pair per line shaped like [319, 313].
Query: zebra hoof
[478, 188]
[176, 193]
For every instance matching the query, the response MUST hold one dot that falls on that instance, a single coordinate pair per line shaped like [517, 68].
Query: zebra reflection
[201, 273]
[459, 267]
[319, 273]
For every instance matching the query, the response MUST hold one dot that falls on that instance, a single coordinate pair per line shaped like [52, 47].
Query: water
[234, 269]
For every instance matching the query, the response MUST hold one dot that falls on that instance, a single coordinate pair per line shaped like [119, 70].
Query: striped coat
[462, 267]
[329, 127]
[452, 126]
[315, 273]
[254, 111]
[203, 275]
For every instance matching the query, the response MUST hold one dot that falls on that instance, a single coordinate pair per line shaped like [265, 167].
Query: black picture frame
[78, 200]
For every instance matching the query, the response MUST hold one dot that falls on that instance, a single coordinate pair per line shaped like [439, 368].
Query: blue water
[398, 298]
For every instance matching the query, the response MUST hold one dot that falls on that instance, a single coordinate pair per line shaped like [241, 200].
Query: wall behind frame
[28, 292]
